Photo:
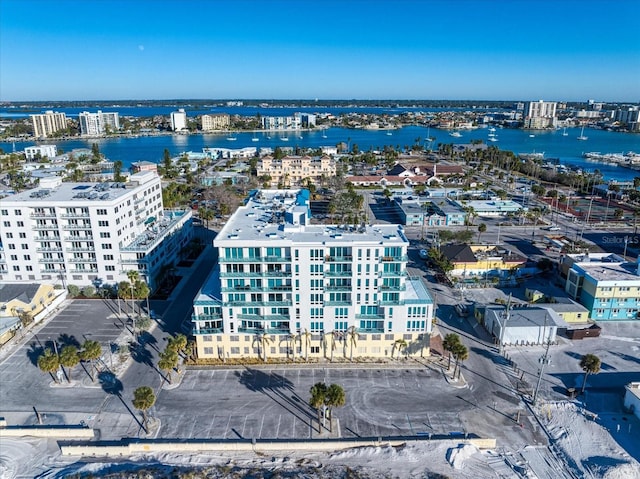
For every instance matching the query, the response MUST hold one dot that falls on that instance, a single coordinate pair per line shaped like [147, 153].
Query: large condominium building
[215, 122]
[282, 122]
[286, 288]
[88, 233]
[292, 170]
[96, 124]
[540, 114]
[605, 284]
[178, 120]
[47, 123]
[630, 117]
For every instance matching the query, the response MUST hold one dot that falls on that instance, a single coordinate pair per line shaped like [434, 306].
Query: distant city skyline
[564, 50]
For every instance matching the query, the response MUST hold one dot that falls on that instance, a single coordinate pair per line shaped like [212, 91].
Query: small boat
[564, 132]
[532, 136]
[455, 134]
[492, 129]
[231, 138]
[389, 133]
[493, 138]
[255, 138]
[582, 137]
[284, 138]
[324, 135]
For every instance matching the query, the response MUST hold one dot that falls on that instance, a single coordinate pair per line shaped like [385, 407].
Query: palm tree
[168, 361]
[143, 399]
[91, 350]
[590, 364]
[49, 363]
[133, 278]
[481, 229]
[333, 336]
[69, 358]
[398, 345]
[177, 343]
[448, 344]
[334, 397]
[461, 354]
[352, 335]
[317, 401]
[263, 340]
[306, 337]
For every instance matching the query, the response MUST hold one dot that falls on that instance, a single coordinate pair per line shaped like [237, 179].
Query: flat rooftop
[528, 317]
[611, 271]
[60, 192]
[276, 215]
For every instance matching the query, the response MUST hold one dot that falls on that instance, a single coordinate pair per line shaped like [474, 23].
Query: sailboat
[582, 137]
[324, 135]
[255, 138]
[231, 137]
[564, 132]
[389, 133]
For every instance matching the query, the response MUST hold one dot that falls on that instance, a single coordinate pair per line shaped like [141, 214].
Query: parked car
[424, 254]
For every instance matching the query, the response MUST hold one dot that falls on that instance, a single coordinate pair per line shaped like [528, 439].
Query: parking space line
[293, 428]
[278, 428]
[211, 426]
[261, 424]
[244, 424]
[226, 429]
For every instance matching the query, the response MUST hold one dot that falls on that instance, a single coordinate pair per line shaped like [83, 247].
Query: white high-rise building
[47, 123]
[294, 289]
[88, 233]
[540, 114]
[178, 120]
[96, 124]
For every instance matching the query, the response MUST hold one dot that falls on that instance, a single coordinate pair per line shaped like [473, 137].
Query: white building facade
[96, 124]
[215, 122]
[286, 288]
[178, 120]
[47, 123]
[32, 152]
[88, 233]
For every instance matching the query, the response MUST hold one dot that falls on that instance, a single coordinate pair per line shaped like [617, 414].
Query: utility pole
[544, 360]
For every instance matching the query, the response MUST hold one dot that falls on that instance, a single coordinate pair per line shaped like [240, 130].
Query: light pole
[504, 326]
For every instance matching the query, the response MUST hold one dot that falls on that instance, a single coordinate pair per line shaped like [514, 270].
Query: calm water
[553, 144]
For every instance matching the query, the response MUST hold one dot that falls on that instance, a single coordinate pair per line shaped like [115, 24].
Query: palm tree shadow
[114, 387]
[65, 340]
[279, 389]
[34, 352]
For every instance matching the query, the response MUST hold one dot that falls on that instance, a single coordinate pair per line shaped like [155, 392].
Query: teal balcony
[370, 316]
[264, 331]
[398, 287]
[338, 274]
[258, 274]
[336, 259]
[206, 317]
[337, 303]
[263, 259]
[391, 259]
[335, 287]
[207, 331]
[257, 303]
[393, 274]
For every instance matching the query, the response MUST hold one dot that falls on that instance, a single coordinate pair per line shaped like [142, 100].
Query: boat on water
[493, 138]
[455, 134]
[284, 138]
[582, 137]
[492, 129]
[255, 138]
[389, 133]
[564, 132]
[232, 138]
[532, 136]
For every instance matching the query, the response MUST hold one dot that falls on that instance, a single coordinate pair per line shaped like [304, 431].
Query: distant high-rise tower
[178, 120]
[95, 124]
[540, 114]
[47, 123]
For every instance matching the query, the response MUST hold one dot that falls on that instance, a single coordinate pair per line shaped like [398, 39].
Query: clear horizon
[457, 50]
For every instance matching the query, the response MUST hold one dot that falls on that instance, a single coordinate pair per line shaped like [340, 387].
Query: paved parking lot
[273, 403]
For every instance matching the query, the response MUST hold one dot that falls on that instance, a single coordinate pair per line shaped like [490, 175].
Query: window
[27, 257]
[24, 246]
[16, 268]
[105, 234]
[14, 257]
[106, 246]
[22, 235]
[108, 257]
[9, 235]
[17, 212]
[6, 224]
[4, 212]
[20, 224]
[208, 350]
[317, 326]
[103, 212]
[235, 350]
[110, 268]
[12, 246]
[103, 223]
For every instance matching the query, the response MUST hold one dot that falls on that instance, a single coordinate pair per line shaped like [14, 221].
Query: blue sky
[329, 49]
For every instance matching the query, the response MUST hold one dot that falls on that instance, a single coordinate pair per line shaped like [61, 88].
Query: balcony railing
[47, 238]
[335, 287]
[207, 331]
[75, 215]
[263, 331]
[77, 227]
[390, 259]
[257, 303]
[370, 330]
[82, 260]
[206, 317]
[42, 215]
[80, 250]
[50, 250]
[393, 274]
[399, 287]
[271, 317]
[370, 316]
[77, 238]
[332, 259]
[338, 274]
[267, 274]
[337, 303]
[44, 227]
[257, 289]
[80, 271]
[263, 259]
[50, 260]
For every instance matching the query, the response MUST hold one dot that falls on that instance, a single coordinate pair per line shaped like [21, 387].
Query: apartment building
[47, 123]
[88, 233]
[288, 289]
[282, 122]
[540, 114]
[630, 117]
[215, 122]
[605, 284]
[99, 123]
[292, 170]
[33, 152]
[178, 120]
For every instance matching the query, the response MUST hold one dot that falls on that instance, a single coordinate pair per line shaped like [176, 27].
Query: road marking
[226, 429]
[293, 428]
[211, 426]
[278, 428]
[244, 424]
[261, 424]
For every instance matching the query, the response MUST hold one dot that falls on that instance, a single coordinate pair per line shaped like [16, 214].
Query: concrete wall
[48, 432]
[266, 446]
